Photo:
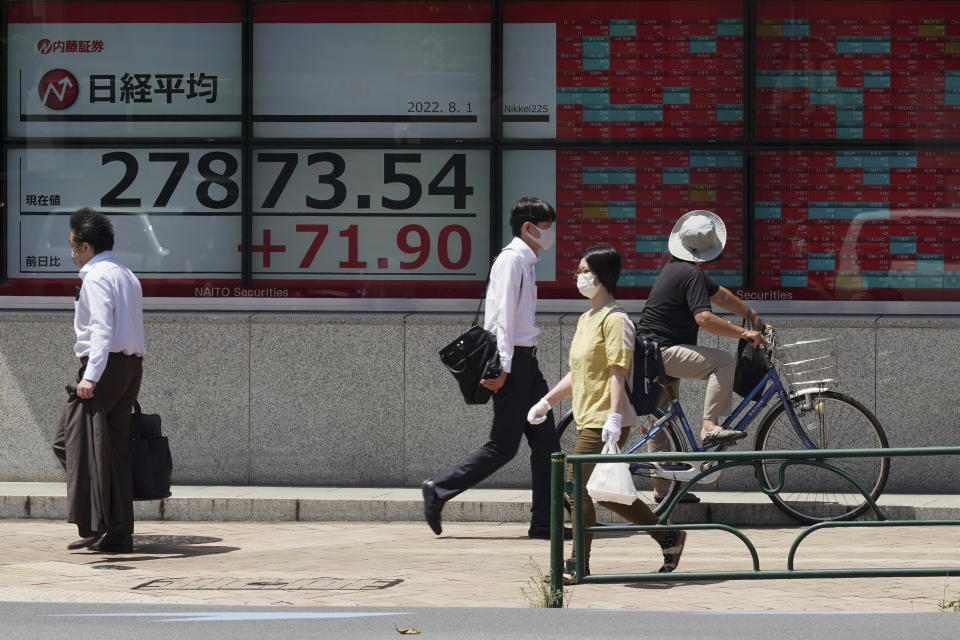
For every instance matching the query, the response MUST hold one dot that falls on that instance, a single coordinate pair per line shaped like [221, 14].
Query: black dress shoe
[543, 533]
[432, 506]
[84, 543]
[113, 544]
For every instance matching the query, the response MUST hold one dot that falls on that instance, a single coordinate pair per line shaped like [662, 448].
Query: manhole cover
[219, 583]
[112, 567]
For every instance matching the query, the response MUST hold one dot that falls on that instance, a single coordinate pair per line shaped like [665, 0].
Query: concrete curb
[47, 501]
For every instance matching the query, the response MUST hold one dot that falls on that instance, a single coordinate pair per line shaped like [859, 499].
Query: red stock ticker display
[858, 70]
[632, 199]
[858, 224]
[630, 69]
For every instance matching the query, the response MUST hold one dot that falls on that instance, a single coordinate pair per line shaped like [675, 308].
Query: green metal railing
[725, 460]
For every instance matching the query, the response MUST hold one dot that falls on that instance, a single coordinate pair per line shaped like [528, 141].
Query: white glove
[611, 428]
[538, 412]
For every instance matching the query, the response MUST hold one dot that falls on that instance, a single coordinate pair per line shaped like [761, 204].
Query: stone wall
[348, 399]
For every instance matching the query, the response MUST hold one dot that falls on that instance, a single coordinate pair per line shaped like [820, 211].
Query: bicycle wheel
[643, 473]
[830, 420]
[567, 435]
[567, 432]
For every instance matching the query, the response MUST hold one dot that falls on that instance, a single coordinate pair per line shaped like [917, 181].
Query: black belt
[527, 351]
[113, 354]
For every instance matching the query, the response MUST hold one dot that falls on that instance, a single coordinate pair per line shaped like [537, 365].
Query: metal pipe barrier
[725, 460]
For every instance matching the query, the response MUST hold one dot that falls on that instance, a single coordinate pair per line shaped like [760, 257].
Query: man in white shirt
[108, 321]
[510, 316]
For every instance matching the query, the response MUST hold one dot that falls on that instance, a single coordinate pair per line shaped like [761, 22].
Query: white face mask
[547, 237]
[587, 285]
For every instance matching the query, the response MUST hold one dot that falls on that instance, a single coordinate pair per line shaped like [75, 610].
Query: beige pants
[703, 363]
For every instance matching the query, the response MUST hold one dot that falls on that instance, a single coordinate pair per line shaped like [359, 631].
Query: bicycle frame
[761, 393]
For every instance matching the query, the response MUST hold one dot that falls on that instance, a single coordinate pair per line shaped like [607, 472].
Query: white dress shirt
[510, 312]
[108, 314]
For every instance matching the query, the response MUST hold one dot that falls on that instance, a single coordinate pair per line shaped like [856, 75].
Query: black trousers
[525, 385]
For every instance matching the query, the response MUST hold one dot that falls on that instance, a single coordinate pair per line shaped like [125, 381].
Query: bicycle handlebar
[769, 334]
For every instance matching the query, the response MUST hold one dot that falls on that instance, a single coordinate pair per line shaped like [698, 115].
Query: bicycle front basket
[809, 365]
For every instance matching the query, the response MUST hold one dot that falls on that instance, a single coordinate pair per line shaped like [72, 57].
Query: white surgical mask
[547, 237]
[587, 285]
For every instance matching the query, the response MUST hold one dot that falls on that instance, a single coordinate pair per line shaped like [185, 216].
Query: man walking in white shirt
[510, 316]
[108, 322]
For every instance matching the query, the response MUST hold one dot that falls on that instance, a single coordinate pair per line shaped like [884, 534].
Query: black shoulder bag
[646, 385]
[752, 365]
[473, 357]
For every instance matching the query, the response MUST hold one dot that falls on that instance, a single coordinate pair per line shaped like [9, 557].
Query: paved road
[403, 565]
[144, 622]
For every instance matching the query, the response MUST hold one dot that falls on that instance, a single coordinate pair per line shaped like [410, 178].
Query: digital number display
[631, 200]
[858, 71]
[396, 70]
[123, 69]
[868, 224]
[360, 214]
[176, 211]
[618, 70]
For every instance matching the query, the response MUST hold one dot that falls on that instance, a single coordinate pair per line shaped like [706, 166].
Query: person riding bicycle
[601, 354]
[679, 305]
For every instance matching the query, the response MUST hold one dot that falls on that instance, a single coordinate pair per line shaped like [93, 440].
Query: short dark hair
[604, 261]
[92, 227]
[530, 209]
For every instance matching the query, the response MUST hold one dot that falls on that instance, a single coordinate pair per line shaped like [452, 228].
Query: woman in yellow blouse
[600, 357]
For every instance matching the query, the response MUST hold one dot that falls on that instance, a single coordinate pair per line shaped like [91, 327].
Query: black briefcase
[149, 456]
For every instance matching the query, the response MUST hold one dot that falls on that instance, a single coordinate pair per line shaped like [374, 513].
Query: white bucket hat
[698, 236]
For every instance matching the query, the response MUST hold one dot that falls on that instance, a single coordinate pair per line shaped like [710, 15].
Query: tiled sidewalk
[402, 564]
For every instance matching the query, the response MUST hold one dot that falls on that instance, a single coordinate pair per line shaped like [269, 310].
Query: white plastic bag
[611, 481]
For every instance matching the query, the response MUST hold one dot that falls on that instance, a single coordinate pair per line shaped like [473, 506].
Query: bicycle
[809, 415]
